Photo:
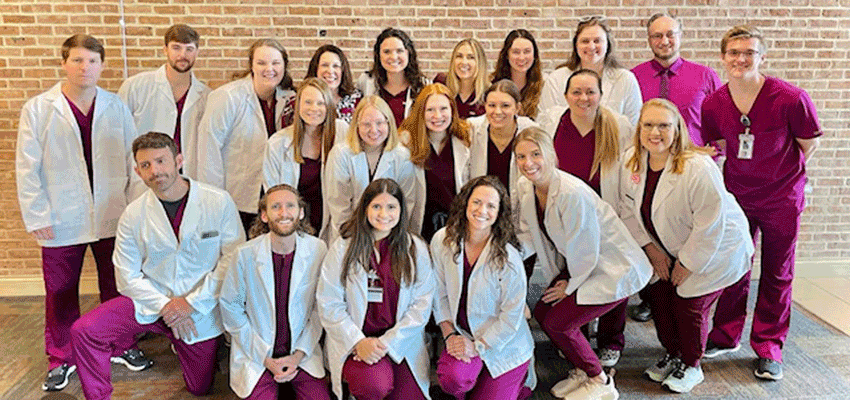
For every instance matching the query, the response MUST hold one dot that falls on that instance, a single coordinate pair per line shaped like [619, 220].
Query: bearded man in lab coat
[168, 245]
[171, 99]
[74, 178]
[268, 304]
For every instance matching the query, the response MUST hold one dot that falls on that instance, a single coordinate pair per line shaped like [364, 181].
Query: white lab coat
[152, 266]
[342, 310]
[369, 86]
[249, 308]
[460, 154]
[604, 260]
[697, 220]
[478, 152]
[609, 179]
[620, 91]
[279, 164]
[151, 101]
[495, 304]
[231, 140]
[347, 176]
[52, 179]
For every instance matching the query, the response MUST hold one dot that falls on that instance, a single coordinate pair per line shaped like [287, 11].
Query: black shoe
[768, 369]
[58, 377]
[641, 312]
[134, 360]
[713, 350]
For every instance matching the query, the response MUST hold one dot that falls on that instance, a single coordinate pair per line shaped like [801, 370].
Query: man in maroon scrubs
[74, 178]
[769, 129]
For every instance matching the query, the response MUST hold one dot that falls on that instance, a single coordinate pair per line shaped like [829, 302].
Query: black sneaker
[641, 312]
[134, 360]
[58, 377]
[768, 369]
[713, 350]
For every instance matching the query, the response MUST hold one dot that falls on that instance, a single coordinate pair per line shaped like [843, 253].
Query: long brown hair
[362, 242]
[258, 227]
[481, 82]
[346, 81]
[530, 93]
[605, 129]
[574, 62]
[412, 74]
[681, 149]
[327, 128]
[502, 232]
[286, 82]
[414, 124]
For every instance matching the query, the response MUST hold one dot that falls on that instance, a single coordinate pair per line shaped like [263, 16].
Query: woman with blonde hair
[593, 49]
[371, 150]
[467, 77]
[587, 254]
[519, 61]
[693, 231]
[296, 154]
[438, 140]
[239, 119]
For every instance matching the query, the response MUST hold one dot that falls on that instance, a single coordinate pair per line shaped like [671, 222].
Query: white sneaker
[591, 390]
[683, 378]
[608, 357]
[575, 378]
[659, 371]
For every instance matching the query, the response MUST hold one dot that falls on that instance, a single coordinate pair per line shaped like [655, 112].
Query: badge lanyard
[375, 292]
[746, 140]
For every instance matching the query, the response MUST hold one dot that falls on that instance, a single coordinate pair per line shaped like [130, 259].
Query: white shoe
[591, 390]
[608, 357]
[564, 387]
[659, 371]
[683, 378]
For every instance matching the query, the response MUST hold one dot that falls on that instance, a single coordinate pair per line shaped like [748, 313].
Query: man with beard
[268, 304]
[171, 99]
[168, 245]
[668, 76]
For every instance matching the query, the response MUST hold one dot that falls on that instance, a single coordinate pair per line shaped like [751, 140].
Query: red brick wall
[808, 42]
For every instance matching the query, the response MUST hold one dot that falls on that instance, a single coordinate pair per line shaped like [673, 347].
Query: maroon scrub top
[439, 188]
[575, 152]
[177, 126]
[499, 164]
[396, 103]
[380, 317]
[652, 178]
[776, 175]
[282, 275]
[465, 108]
[268, 114]
[85, 122]
[462, 318]
[310, 187]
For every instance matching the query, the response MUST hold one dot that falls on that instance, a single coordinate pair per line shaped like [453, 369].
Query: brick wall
[808, 42]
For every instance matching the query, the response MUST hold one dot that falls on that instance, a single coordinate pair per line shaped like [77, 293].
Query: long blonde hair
[606, 132]
[375, 101]
[681, 149]
[481, 81]
[327, 127]
[414, 124]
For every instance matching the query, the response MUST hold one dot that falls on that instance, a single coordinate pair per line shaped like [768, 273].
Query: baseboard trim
[34, 286]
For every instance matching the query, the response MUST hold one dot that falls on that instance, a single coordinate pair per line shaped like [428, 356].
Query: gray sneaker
[133, 359]
[768, 369]
[713, 350]
[608, 357]
[58, 377]
[659, 371]
[683, 378]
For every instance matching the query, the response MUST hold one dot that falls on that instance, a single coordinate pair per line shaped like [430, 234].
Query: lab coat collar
[163, 85]
[191, 213]
[101, 103]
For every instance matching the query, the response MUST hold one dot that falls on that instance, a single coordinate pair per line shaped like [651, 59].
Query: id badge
[374, 293]
[746, 141]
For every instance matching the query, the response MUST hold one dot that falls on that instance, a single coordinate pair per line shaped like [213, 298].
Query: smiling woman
[519, 61]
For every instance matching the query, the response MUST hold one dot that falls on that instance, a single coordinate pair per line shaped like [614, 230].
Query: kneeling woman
[374, 298]
[693, 231]
[480, 296]
[593, 262]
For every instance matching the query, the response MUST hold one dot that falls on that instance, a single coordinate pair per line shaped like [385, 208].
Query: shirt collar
[674, 68]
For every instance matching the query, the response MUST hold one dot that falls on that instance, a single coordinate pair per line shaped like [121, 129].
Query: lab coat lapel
[191, 213]
[159, 219]
[265, 266]
[63, 108]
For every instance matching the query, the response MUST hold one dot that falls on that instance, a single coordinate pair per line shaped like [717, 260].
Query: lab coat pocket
[69, 208]
[207, 248]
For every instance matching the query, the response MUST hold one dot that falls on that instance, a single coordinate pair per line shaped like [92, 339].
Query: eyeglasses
[748, 54]
[669, 34]
[367, 125]
[663, 127]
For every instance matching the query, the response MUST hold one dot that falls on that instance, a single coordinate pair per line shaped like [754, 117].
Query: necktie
[662, 87]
